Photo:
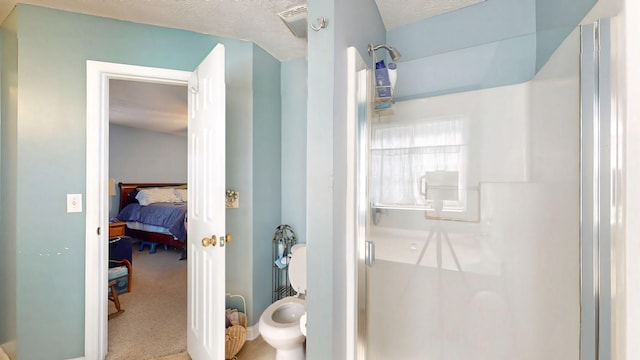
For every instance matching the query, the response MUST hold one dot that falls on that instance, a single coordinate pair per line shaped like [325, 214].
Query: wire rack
[283, 240]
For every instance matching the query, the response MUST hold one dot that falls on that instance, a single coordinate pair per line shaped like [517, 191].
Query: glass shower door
[474, 214]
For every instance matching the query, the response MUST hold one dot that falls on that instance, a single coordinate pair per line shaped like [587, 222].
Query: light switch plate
[74, 203]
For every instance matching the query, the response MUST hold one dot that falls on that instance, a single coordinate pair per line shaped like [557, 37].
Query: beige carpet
[154, 323]
[256, 349]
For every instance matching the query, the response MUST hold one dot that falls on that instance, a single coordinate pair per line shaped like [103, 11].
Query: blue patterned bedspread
[172, 216]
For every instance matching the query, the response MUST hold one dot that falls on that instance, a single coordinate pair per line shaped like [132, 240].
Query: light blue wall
[555, 20]
[266, 173]
[351, 23]
[50, 155]
[494, 43]
[8, 185]
[320, 149]
[479, 67]
[294, 145]
[474, 25]
[484, 45]
[137, 155]
[239, 177]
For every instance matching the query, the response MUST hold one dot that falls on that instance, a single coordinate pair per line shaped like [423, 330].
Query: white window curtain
[401, 154]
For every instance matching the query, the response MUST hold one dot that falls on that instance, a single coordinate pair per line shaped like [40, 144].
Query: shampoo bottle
[383, 85]
[393, 75]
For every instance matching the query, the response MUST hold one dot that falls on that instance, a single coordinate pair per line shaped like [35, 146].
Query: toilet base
[296, 353]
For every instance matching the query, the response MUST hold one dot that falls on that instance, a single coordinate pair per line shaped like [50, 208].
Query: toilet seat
[298, 269]
[267, 315]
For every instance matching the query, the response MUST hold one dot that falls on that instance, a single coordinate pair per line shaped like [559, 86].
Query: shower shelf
[383, 105]
[379, 99]
[390, 90]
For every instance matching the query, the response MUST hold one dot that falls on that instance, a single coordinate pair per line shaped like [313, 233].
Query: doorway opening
[148, 145]
[99, 75]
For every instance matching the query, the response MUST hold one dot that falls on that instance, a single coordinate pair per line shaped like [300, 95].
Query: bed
[166, 225]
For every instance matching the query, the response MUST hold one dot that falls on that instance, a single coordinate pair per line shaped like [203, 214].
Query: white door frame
[97, 205]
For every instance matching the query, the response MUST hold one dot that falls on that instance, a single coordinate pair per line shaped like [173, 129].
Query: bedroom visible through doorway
[148, 144]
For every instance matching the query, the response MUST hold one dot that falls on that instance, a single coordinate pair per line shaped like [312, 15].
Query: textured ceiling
[397, 13]
[253, 20]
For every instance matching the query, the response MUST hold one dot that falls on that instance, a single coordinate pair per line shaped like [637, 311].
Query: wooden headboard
[127, 188]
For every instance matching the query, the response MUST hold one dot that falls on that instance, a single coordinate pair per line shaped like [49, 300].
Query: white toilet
[280, 324]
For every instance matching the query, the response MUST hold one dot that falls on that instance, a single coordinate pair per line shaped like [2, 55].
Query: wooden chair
[120, 282]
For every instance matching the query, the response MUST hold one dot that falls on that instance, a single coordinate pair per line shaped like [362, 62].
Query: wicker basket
[235, 336]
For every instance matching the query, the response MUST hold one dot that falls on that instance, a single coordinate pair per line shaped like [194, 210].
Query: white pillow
[155, 195]
[182, 194]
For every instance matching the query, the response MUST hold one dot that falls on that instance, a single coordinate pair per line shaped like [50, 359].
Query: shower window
[406, 156]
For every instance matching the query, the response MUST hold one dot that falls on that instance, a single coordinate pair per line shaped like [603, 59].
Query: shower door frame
[357, 202]
[599, 190]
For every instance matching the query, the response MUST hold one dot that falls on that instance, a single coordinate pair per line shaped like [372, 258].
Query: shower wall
[502, 280]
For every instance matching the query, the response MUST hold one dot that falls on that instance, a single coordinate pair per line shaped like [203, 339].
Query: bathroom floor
[256, 349]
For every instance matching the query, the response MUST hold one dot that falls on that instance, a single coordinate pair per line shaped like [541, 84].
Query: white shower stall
[469, 221]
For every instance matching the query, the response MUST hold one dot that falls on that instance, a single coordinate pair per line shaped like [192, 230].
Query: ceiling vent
[296, 20]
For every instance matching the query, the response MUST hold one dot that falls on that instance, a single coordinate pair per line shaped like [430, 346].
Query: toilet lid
[298, 270]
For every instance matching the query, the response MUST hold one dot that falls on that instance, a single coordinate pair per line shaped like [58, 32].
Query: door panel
[206, 222]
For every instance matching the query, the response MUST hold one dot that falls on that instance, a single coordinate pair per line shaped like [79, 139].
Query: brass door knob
[229, 237]
[213, 240]
[206, 242]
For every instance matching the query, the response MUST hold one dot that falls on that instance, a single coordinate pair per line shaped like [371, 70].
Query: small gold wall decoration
[233, 199]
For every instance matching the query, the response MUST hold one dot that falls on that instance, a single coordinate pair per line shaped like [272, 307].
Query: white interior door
[206, 222]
